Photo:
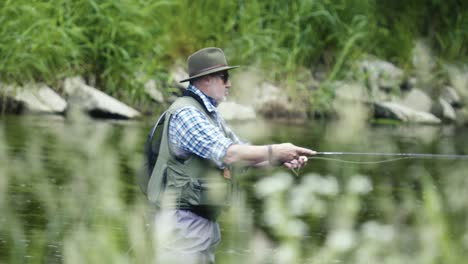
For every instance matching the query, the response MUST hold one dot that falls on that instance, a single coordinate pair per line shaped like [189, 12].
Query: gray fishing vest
[189, 183]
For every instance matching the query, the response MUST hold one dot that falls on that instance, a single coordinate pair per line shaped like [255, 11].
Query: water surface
[68, 194]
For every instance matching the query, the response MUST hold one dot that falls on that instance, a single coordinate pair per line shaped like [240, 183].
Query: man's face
[219, 86]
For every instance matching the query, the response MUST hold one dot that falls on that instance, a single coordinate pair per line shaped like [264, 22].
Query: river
[68, 195]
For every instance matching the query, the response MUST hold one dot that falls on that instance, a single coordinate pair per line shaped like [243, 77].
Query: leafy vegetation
[112, 43]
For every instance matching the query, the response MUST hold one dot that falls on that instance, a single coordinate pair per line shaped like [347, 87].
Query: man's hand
[290, 155]
[296, 163]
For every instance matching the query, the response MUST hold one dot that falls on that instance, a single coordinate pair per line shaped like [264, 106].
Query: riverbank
[374, 88]
[305, 49]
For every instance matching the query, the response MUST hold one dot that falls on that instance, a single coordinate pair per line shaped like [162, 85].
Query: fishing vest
[194, 183]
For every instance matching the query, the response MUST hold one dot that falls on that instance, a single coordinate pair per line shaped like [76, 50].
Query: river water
[68, 194]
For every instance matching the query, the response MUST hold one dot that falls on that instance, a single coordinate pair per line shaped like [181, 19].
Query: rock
[353, 92]
[381, 75]
[33, 98]
[462, 116]
[447, 111]
[396, 111]
[234, 111]
[153, 92]
[417, 100]
[408, 84]
[178, 74]
[268, 93]
[95, 102]
[450, 95]
[272, 102]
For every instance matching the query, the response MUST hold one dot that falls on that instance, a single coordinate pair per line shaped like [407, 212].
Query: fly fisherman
[191, 179]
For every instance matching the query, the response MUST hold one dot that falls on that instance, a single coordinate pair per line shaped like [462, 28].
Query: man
[192, 176]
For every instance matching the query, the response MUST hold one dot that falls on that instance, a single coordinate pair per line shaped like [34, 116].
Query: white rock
[447, 110]
[396, 111]
[417, 100]
[36, 98]
[382, 74]
[153, 92]
[90, 99]
[353, 92]
[235, 111]
[178, 74]
[269, 93]
[450, 95]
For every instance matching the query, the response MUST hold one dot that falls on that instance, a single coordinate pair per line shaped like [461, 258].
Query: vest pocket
[210, 192]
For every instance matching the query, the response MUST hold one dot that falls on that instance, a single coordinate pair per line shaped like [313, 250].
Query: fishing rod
[401, 155]
[392, 157]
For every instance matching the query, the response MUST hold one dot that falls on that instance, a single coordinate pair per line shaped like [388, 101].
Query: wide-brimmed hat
[206, 61]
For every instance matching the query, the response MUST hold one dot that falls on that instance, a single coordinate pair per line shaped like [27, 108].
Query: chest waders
[194, 184]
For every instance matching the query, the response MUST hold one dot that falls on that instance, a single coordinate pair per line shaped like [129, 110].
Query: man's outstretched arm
[286, 153]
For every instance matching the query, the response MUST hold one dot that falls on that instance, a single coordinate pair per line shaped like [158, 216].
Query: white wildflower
[327, 186]
[286, 253]
[295, 228]
[277, 183]
[359, 184]
[302, 202]
[375, 231]
[273, 214]
[341, 239]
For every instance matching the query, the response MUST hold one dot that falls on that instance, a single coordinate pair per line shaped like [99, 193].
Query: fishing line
[399, 156]
[411, 155]
[362, 162]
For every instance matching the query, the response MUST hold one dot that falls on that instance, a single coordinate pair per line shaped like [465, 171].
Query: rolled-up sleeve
[191, 131]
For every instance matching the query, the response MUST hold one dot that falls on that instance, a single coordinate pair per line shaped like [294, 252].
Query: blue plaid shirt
[190, 131]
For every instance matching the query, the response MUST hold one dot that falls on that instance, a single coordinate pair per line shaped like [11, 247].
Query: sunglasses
[224, 76]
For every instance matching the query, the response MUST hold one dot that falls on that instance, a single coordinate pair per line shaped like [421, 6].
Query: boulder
[33, 98]
[450, 95]
[350, 91]
[462, 116]
[152, 91]
[95, 102]
[178, 74]
[447, 111]
[381, 75]
[409, 84]
[402, 113]
[417, 100]
[268, 93]
[235, 111]
[272, 102]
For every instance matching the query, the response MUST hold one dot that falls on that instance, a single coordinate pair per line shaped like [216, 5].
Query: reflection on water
[67, 194]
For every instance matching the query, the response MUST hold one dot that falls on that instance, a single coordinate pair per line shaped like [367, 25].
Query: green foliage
[110, 42]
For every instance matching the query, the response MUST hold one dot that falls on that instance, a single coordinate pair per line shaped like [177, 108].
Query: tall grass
[106, 41]
[111, 43]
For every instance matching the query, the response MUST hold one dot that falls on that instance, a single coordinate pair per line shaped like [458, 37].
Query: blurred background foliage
[112, 42]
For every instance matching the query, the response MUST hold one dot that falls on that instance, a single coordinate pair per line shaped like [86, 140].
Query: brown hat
[206, 61]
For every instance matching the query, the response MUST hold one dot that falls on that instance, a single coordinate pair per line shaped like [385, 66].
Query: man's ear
[208, 79]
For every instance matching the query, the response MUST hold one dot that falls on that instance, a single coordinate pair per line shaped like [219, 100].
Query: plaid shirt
[190, 131]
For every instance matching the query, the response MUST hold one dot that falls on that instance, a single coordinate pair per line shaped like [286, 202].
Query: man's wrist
[271, 160]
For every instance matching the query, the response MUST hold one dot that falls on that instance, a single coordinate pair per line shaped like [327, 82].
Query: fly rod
[401, 155]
